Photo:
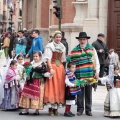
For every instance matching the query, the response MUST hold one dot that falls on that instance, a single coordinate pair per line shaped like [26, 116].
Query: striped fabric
[72, 78]
[83, 61]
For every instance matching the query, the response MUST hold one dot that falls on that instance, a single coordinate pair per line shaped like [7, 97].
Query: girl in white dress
[112, 101]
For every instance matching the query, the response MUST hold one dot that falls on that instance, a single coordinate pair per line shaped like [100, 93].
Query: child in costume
[112, 101]
[19, 71]
[33, 91]
[11, 88]
[71, 89]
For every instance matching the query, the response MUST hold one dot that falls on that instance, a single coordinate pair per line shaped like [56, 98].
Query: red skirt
[32, 90]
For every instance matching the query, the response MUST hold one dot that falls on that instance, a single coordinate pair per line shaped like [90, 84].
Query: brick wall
[45, 14]
[68, 12]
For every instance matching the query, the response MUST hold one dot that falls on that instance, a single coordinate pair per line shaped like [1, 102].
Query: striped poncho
[83, 60]
[73, 90]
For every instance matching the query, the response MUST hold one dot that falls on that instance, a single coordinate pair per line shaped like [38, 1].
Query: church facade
[91, 16]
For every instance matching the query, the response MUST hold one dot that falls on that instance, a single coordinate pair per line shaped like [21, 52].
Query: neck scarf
[56, 47]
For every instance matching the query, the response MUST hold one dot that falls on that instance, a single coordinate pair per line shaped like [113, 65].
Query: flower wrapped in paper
[85, 81]
[27, 69]
[91, 80]
[80, 82]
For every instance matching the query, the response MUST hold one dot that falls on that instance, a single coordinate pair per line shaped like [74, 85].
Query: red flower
[26, 64]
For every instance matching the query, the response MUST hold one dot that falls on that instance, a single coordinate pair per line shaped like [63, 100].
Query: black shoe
[72, 114]
[89, 113]
[36, 113]
[22, 113]
[99, 83]
[79, 113]
[67, 114]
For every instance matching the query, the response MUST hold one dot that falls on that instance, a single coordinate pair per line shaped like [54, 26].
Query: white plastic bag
[2, 58]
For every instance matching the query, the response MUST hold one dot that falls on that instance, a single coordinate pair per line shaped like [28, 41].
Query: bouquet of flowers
[80, 82]
[85, 81]
[27, 69]
[91, 80]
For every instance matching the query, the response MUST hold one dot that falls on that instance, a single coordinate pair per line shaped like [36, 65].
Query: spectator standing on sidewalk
[64, 42]
[37, 44]
[21, 42]
[29, 44]
[6, 44]
[102, 52]
[11, 37]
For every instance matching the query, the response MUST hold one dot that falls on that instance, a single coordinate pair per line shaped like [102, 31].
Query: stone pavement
[97, 110]
[99, 95]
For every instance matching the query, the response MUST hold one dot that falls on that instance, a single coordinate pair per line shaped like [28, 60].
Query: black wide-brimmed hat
[82, 35]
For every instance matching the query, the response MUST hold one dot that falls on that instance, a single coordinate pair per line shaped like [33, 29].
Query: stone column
[38, 14]
[103, 12]
[91, 24]
[24, 18]
[81, 11]
[93, 9]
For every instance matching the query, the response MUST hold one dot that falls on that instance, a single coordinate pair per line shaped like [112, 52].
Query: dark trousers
[10, 53]
[87, 95]
[31, 57]
[102, 66]
[64, 64]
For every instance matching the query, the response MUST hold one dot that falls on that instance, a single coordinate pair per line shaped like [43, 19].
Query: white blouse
[48, 55]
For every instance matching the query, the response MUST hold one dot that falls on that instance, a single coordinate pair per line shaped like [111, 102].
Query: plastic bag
[2, 58]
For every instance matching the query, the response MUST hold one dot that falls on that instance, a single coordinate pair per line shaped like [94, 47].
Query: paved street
[98, 101]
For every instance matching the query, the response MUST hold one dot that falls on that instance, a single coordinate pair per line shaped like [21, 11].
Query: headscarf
[56, 32]
[6, 34]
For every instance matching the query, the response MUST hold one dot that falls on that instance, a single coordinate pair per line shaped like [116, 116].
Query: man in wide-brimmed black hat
[87, 66]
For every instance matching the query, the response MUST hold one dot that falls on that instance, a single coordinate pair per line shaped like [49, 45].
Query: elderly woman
[55, 85]
[6, 44]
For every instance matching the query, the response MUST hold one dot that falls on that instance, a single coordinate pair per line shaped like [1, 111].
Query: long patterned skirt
[55, 87]
[11, 98]
[32, 95]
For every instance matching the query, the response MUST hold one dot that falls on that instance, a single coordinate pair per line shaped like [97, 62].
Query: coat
[98, 44]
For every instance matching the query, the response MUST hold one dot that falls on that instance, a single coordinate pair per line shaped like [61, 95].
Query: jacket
[64, 42]
[6, 42]
[98, 44]
[37, 45]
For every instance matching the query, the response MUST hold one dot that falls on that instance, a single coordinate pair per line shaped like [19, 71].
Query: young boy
[71, 89]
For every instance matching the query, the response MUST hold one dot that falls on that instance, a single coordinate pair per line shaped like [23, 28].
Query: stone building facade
[90, 16]
[5, 17]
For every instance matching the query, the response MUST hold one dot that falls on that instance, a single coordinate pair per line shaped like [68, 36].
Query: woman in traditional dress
[55, 85]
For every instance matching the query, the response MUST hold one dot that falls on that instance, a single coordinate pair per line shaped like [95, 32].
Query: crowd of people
[48, 81]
